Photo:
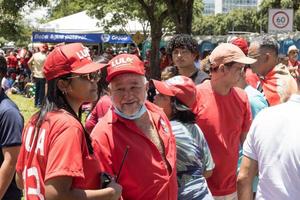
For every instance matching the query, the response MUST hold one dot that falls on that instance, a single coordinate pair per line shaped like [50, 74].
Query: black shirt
[11, 125]
[199, 76]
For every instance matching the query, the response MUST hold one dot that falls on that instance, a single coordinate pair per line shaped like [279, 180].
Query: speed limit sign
[280, 20]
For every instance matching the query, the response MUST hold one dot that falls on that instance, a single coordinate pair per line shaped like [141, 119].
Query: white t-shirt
[274, 142]
[38, 64]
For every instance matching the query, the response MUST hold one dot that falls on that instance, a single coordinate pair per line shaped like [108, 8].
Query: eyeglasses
[242, 69]
[93, 76]
[182, 52]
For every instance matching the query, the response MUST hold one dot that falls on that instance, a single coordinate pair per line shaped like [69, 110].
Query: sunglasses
[93, 76]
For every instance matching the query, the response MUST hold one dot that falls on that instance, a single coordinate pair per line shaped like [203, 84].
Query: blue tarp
[51, 37]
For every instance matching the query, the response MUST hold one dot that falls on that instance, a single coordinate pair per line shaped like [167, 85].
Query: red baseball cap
[124, 63]
[242, 43]
[181, 87]
[70, 58]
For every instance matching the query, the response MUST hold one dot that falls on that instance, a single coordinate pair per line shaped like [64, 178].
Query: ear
[221, 68]
[63, 85]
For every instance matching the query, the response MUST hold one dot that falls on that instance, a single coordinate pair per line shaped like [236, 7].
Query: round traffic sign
[280, 19]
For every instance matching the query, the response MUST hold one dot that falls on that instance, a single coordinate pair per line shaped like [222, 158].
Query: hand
[117, 189]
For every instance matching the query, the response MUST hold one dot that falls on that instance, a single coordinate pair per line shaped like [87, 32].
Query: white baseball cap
[293, 48]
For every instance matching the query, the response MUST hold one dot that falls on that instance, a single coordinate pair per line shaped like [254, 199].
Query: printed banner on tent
[51, 37]
[65, 37]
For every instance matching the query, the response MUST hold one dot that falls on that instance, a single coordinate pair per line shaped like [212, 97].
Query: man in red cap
[224, 116]
[149, 170]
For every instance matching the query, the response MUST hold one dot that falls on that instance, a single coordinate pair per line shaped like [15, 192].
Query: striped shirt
[193, 158]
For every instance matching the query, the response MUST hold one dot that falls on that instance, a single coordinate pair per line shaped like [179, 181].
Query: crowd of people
[220, 127]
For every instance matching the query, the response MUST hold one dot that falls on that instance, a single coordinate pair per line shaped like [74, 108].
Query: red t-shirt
[99, 111]
[60, 150]
[144, 175]
[222, 120]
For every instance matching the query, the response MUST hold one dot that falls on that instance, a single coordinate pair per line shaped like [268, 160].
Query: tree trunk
[156, 34]
[181, 12]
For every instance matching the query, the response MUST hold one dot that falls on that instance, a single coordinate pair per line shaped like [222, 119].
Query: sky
[33, 16]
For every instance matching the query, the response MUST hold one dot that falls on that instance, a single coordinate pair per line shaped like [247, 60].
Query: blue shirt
[193, 158]
[256, 99]
[11, 126]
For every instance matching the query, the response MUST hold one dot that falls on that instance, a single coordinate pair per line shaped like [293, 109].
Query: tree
[181, 12]
[66, 7]
[221, 24]
[154, 11]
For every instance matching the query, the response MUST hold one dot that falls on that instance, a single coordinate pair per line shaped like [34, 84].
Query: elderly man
[149, 170]
[272, 150]
[276, 82]
[224, 116]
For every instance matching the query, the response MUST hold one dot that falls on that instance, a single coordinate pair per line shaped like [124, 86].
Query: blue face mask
[134, 116]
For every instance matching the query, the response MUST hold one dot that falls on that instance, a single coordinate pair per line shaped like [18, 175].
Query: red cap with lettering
[124, 63]
[70, 58]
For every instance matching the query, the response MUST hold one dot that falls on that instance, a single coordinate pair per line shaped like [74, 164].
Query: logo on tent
[105, 37]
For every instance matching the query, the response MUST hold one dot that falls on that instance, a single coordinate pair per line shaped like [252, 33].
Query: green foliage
[250, 20]
[67, 7]
[220, 24]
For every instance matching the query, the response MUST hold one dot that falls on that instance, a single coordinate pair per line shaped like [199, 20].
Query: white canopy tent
[83, 23]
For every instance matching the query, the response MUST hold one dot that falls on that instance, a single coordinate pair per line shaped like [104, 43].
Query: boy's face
[183, 58]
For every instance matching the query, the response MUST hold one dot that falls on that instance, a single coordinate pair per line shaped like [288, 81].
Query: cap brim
[88, 68]
[245, 60]
[162, 88]
[116, 73]
[293, 50]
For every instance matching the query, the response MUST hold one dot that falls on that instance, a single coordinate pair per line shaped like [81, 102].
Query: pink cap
[226, 53]
[242, 43]
[181, 87]
[124, 63]
[70, 58]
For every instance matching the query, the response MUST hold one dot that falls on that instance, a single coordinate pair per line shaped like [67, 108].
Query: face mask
[134, 116]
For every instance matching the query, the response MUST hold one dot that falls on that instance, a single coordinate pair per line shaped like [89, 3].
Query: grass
[26, 105]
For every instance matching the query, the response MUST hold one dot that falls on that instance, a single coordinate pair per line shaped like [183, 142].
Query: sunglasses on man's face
[93, 76]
